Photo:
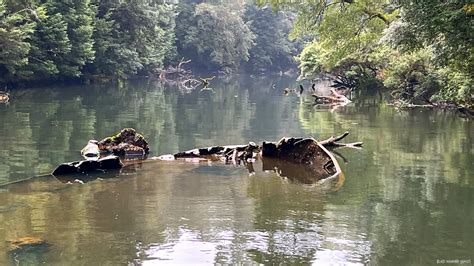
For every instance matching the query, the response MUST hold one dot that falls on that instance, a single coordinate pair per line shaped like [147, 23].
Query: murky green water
[407, 197]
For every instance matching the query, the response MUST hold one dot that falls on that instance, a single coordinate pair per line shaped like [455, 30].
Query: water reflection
[406, 198]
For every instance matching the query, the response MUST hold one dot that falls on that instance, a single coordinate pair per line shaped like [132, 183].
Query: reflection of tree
[407, 194]
[408, 182]
[288, 217]
[274, 117]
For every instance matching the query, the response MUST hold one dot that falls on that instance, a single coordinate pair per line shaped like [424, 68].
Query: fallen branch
[177, 72]
[400, 104]
[189, 84]
[332, 142]
[336, 98]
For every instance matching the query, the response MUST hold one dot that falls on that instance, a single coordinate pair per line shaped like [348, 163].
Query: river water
[406, 198]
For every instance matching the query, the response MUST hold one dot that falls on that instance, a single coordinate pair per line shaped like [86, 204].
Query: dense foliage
[216, 37]
[272, 50]
[133, 36]
[66, 39]
[63, 39]
[421, 49]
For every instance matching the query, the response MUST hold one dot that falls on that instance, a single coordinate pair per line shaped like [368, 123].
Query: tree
[435, 36]
[50, 44]
[52, 38]
[421, 49]
[344, 34]
[215, 37]
[272, 50]
[445, 26]
[133, 36]
[78, 16]
[16, 28]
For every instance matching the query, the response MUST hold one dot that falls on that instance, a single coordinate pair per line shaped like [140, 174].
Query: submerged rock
[125, 143]
[27, 250]
[23, 243]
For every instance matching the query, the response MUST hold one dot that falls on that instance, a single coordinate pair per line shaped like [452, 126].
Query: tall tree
[133, 36]
[272, 50]
[78, 16]
[50, 44]
[215, 36]
[16, 28]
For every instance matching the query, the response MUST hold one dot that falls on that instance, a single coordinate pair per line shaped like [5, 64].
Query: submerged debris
[4, 97]
[310, 158]
[335, 98]
[230, 153]
[304, 152]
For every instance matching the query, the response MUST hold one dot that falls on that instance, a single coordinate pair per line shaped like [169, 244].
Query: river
[407, 196]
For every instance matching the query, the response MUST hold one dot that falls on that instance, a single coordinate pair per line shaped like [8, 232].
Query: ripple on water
[188, 249]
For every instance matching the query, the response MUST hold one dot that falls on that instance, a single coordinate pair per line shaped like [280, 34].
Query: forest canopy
[421, 50]
[61, 40]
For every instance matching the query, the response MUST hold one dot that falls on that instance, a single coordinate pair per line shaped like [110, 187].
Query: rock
[111, 162]
[126, 143]
[66, 169]
[24, 243]
[87, 166]
[91, 149]
[126, 149]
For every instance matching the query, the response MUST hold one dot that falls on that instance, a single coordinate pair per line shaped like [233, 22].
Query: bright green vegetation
[62, 40]
[420, 49]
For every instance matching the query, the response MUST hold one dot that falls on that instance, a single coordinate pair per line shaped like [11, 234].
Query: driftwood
[303, 159]
[182, 78]
[400, 104]
[332, 142]
[234, 154]
[336, 98]
[303, 152]
[178, 76]
[178, 70]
